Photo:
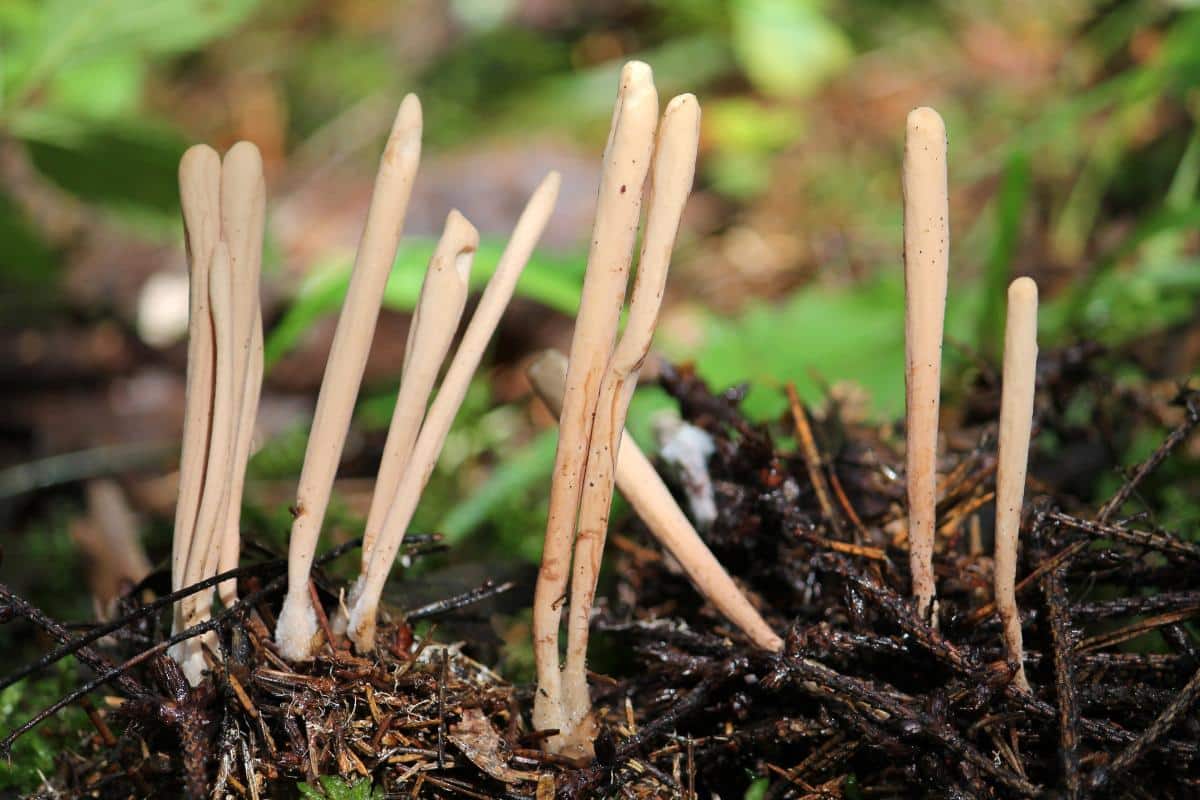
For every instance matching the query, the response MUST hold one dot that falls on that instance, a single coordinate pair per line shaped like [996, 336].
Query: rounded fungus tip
[1023, 290]
[924, 120]
[408, 117]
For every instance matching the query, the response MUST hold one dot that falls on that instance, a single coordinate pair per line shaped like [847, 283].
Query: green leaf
[74, 33]
[130, 168]
[822, 334]
[788, 48]
[516, 475]
[757, 790]
[1010, 205]
[26, 260]
[104, 89]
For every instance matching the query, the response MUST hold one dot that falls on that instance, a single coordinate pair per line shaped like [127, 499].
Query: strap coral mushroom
[223, 206]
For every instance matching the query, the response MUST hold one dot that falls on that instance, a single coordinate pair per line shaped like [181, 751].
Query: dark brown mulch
[866, 700]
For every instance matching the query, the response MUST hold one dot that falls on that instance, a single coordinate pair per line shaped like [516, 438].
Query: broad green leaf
[104, 89]
[822, 335]
[125, 168]
[67, 33]
[26, 260]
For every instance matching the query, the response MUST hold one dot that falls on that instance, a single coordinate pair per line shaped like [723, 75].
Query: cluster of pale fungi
[646, 160]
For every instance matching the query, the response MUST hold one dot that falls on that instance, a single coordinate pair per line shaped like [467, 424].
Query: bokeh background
[1074, 157]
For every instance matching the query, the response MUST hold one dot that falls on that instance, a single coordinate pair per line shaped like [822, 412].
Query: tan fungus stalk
[200, 197]
[626, 163]
[296, 631]
[252, 391]
[926, 264]
[674, 166]
[431, 332]
[641, 485]
[445, 406]
[1016, 426]
[439, 310]
[221, 442]
[243, 222]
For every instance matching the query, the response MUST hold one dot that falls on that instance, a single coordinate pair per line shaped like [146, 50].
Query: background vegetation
[1074, 152]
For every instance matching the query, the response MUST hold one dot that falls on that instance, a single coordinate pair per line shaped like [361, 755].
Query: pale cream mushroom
[926, 264]
[674, 166]
[431, 332]
[210, 515]
[200, 197]
[243, 221]
[640, 484]
[625, 166]
[1016, 426]
[434, 323]
[296, 630]
[495, 299]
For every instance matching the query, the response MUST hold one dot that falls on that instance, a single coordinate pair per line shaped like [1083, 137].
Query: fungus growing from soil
[450, 395]
[439, 310]
[626, 164]
[200, 198]
[641, 485]
[1016, 425]
[563, 701]
[224, 207]
[296, 629]
[926, 263]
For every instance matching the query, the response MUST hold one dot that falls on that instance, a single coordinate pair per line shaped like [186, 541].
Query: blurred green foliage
[33, 757]
[331, 787]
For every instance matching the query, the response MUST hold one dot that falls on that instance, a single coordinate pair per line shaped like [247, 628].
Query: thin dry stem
[926, 264]
[445, 405]
[1016, 425]
[296, 630]
[626, 163]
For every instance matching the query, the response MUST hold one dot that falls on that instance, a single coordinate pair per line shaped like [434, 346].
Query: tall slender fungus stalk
[673, 170]
[243, 220]
[296, 630]
[445, 406]
[640, 484]
[211, 512]
[439, 310]
[926, 264]
[1016, 425]
[200, 197]
[626, 162]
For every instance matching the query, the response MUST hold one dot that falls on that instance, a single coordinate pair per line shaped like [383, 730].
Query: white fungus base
[297, 628]
[340, 621]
